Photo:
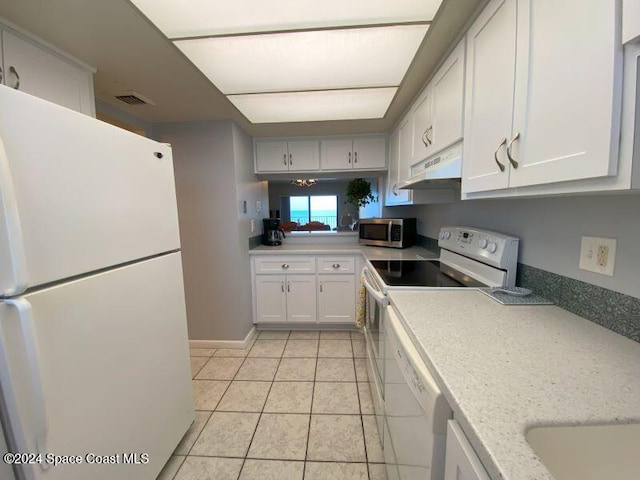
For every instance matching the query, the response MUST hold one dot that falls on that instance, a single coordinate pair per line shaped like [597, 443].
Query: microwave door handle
[389, 231]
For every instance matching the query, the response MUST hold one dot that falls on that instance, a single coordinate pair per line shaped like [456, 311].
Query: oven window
[374, 231]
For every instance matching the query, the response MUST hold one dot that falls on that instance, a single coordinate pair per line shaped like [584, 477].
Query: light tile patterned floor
[294, 406]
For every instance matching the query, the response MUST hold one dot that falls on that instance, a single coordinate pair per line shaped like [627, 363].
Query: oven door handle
[380, 297]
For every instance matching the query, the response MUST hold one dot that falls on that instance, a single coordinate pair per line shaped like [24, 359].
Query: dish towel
[361, 305]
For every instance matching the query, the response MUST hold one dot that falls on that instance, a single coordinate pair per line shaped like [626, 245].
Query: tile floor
[293, 406]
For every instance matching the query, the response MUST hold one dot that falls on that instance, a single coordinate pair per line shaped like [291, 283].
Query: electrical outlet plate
[598, 255]
[253, 225]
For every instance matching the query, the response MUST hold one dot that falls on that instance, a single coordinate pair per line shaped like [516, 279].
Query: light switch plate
[598, 255]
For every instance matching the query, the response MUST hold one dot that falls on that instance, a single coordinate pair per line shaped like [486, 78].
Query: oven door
[375, 303]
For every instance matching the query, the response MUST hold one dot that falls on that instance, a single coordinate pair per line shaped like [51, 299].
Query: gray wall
[550, 230]
[213, 169]
[118, 114]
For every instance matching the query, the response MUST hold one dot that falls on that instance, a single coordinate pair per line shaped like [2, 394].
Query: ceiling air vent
[135, 99]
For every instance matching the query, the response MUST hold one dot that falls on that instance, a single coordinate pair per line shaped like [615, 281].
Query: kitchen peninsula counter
[506, 369]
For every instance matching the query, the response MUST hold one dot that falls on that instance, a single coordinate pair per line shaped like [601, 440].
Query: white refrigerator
[94, 360]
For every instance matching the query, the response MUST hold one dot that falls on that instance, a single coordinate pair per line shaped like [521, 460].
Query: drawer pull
[283, 287]
[336, 265]
[285, 265]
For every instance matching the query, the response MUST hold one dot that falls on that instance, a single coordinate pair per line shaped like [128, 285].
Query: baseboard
[246, 343]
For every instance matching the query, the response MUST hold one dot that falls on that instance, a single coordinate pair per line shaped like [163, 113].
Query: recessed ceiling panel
[314, 106]
[193, 18]
[314, 60]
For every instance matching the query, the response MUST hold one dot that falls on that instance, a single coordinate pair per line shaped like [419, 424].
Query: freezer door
[77, 194]
[99, 366]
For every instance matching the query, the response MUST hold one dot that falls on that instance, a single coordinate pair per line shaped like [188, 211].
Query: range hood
[441, 170]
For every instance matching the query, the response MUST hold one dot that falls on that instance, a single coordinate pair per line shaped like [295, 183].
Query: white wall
[550, 229]
[209, 158]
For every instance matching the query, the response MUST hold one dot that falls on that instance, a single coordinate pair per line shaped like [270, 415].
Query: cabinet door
[395, 196]
[630, 20]
[461, 462]
[422, 126]
[405, 151]
[369, 153]
[336, 298]
[272, 157]
[33, 70]
[567, 82]
[271, 304]
[337, 154]
[491, 57]
[447, 102]
[301, 298]
[304, 155]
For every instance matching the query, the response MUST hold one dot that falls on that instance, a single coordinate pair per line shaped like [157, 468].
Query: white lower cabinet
[286, 289]
[285, 298]
[336, 298]
[461, 461]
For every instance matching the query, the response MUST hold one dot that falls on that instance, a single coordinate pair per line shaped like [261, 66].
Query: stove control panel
[492, 248]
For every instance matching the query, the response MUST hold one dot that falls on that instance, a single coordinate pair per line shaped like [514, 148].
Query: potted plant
[359, 193]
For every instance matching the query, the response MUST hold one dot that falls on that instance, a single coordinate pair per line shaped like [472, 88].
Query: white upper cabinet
[34, 69]
[542, 94]
[352, 154]
[438, 113]
[394, 196]
[491, 59]
[282, 156]
[630, 20]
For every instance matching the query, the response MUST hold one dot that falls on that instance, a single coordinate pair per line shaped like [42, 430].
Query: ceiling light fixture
[304, 182]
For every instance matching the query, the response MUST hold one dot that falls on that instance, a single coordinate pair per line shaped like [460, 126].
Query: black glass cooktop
[422, 273]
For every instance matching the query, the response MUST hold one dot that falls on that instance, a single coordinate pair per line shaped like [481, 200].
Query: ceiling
[132, 55]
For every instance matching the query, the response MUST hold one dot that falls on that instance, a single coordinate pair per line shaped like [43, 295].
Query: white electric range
[411, 411]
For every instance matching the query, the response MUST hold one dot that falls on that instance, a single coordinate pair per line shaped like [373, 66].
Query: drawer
[282, 264]
[336, 264]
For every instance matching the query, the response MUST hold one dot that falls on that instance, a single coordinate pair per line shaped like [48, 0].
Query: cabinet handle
[285, 265]
[349, 161]
[427, 134]
[336, 265]
[514, 163]
[355, 157]
[425, 140]
[285, 158]
[290, 159]
[1, 75]
[289, 287]
[395, 189]
[282, 287]
[13, 70]
[495, 154]
[320, 287]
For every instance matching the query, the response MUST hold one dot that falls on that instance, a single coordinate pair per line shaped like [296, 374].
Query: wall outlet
[598, 255]
[258, 206]
[253, 225]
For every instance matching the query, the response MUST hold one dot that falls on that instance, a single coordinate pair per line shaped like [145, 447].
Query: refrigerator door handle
[13, 280]
[30, 338]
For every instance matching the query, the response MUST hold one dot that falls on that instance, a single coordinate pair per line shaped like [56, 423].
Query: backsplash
[613, 310]
[255, 242]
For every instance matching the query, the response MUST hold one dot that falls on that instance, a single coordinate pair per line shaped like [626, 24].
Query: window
[315, 208]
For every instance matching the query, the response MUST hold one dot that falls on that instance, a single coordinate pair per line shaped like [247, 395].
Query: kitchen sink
[593, 452]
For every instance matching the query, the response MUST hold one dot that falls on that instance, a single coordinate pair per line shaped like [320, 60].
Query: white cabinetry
[287, 290]
[33, 68]
[353, 154]
[438, 113]
[336, 290]
[630, 20]
[282, 156]
[284, 289]
[461, 461]
[531, 118]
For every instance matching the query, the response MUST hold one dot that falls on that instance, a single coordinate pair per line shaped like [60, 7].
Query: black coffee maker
[273, 234]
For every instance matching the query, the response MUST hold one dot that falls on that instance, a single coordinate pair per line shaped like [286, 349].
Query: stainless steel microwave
[388, 232]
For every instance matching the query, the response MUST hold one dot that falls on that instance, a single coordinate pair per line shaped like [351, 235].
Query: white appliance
[93, 340]
[408, 404]
[443, 169]
[416, 412]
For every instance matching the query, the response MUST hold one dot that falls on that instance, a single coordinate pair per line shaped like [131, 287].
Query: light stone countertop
[505, 369]
[346, 248]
